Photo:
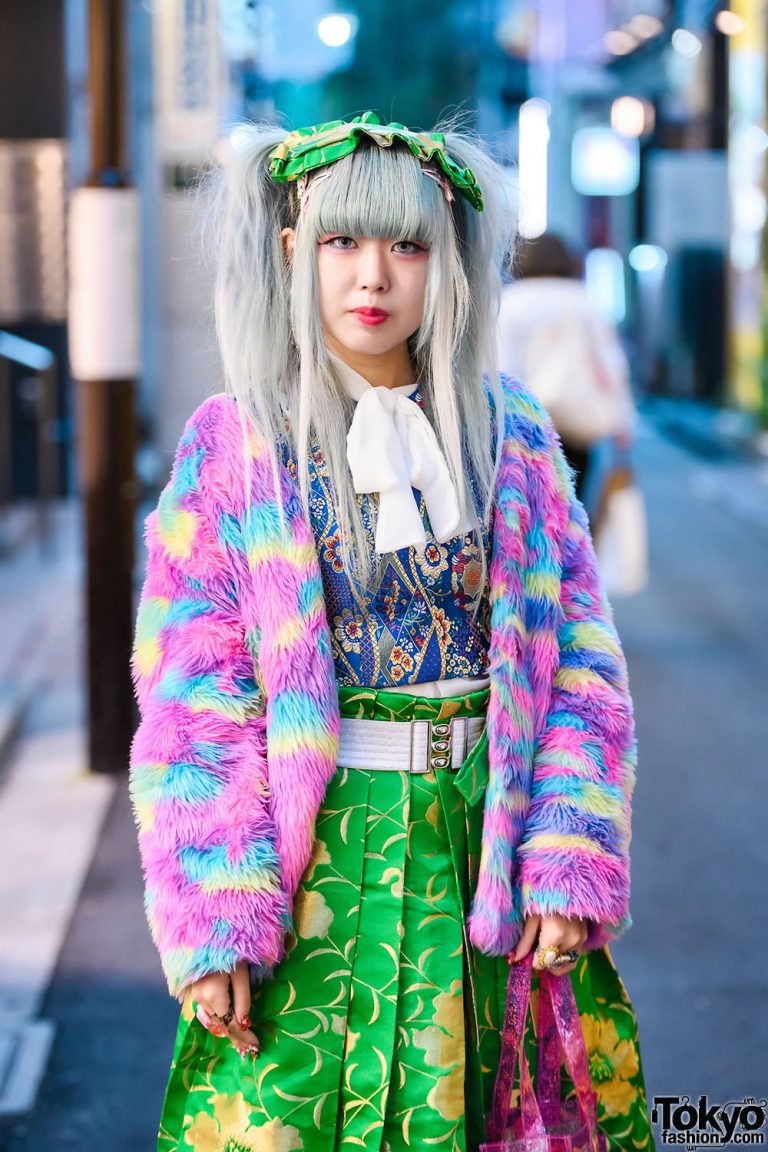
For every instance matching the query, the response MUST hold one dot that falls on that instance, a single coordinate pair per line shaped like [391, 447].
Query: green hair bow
[308, 148]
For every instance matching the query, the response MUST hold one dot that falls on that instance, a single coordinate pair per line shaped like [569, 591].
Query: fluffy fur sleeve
[574, 855]
[215, 893]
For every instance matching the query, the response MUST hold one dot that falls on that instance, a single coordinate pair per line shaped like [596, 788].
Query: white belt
[408, 746]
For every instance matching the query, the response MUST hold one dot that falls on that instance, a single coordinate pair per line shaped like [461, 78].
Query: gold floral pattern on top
[348, 630]
[443, 625]
[433, 561]
[426, 615]
[391, 601]
[467, 576]
[400, 664]
[331, 551]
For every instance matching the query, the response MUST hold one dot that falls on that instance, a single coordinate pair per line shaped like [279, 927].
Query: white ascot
[392, 449]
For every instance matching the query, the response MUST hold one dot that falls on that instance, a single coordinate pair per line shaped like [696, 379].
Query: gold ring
[545, 957]
[549, 956]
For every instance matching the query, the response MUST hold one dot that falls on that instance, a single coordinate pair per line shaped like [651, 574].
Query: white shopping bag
[621, 536]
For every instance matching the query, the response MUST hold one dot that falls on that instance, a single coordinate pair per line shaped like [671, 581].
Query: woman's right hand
[221, 993]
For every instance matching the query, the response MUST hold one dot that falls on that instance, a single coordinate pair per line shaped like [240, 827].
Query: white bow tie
[392, 449]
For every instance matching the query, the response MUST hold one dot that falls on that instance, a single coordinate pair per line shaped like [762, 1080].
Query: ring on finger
[546, 956]
[549, 955]
[569, 957]
[225, 1020]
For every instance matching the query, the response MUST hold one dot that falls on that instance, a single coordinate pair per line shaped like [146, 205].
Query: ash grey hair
[268, 319]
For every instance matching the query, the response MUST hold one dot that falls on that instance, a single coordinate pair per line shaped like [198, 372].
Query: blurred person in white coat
[554, 340]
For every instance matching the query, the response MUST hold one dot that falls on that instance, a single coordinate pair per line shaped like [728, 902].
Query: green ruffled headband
[306, 149]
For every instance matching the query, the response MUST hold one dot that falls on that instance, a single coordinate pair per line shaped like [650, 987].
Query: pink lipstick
[371, 316]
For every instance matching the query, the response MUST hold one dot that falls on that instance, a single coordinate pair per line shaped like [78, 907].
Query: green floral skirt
[380, 1028]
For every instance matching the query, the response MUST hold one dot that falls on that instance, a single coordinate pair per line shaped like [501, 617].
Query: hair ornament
[304, 185]
[306, 149]
[442, 180]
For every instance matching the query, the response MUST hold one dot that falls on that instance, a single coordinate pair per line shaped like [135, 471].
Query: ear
[288, 236]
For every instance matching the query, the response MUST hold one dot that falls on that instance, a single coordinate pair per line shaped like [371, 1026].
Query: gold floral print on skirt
[380, 1028]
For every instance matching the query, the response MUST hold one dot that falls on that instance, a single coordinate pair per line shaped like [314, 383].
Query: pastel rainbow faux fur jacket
[239, 717]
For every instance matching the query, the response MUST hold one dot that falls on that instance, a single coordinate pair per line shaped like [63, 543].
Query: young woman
[386, 742]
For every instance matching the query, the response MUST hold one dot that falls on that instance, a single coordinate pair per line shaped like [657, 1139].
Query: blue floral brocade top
[417, 621]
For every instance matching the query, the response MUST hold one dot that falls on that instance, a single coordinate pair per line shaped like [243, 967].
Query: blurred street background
[635, 129]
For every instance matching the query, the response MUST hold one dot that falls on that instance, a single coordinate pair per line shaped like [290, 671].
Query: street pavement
[696, 645]
[693, 962]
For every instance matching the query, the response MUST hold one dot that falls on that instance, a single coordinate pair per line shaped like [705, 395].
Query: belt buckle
[420, 766]
[440, 743]
[439, 749]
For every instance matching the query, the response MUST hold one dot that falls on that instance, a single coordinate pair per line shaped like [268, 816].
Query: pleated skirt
[380, 1028]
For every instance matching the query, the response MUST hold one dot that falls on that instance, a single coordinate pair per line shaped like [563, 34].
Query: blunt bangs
[378, 193]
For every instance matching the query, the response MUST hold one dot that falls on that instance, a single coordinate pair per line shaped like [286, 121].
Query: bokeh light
[335, 30]
[685, 43]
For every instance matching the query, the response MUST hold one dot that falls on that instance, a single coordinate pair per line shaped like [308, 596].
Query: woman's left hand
[552, 932]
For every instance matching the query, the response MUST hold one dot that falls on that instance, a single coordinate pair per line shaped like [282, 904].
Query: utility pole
[104, 355]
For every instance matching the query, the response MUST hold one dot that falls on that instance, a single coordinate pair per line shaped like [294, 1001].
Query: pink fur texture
[239, 715]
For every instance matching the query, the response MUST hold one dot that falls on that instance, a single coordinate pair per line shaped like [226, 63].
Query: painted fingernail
[244, 1021]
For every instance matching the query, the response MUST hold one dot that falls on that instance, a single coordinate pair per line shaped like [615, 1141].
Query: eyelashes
[343, 243]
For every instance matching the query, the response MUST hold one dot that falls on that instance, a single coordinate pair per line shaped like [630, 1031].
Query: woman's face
[371, 292]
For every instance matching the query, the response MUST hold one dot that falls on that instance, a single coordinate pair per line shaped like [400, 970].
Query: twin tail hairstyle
[267, 316]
